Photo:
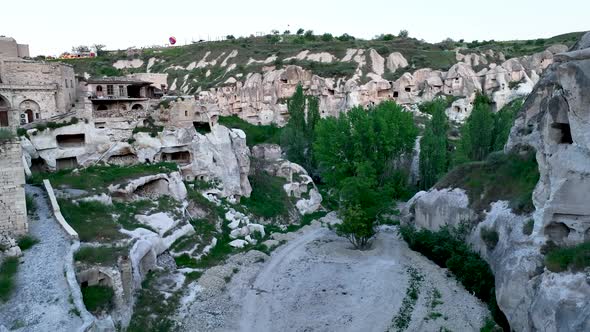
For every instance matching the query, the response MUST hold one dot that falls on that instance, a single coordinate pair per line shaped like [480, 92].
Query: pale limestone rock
[122, 64]
[238, 243]
[377, 62]
[396, 61]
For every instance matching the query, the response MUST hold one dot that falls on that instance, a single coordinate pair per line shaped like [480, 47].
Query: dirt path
[317, 282]
[41, 301]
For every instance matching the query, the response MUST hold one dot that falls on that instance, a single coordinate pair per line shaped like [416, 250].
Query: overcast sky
[52, 27]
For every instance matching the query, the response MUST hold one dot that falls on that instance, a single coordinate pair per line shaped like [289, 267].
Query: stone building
[10, 48]
[13, 216]
[35, 90]
[119, 96]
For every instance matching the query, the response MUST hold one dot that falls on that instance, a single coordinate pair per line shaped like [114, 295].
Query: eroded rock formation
[554, 121]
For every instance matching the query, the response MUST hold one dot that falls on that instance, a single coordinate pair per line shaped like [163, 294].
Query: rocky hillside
[252, 77]
[540, 259]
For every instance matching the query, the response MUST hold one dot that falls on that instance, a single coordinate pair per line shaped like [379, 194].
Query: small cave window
[563, 133]
[395, 94]
[70, 141]
[66, 163]
[408, 89]
[202, 127]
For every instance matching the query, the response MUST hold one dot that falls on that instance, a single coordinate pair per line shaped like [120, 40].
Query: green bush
[490, 237]
[6, 134]
[254, 134]
[576, 258]
[268, 198]
[26, 242]
[527, 228]
[7, 272]
[31, 204]
[98, 298]
[447, 249]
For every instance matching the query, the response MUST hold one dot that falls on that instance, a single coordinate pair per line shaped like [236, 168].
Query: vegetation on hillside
[255, 134]
[510, 177]
[575, 258]
[99, 177]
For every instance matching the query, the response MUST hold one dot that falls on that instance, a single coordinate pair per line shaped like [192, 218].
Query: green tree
[433, 147]
[503, 121]
[357, 154]
[300, 31]
[298, 134]
[477, 133]
[327, 37]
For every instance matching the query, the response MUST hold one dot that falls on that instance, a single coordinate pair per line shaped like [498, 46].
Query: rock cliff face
[260, 97]
[554, 121]
[221, 154]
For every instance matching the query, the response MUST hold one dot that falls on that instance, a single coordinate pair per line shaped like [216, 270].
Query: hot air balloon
[172, 40]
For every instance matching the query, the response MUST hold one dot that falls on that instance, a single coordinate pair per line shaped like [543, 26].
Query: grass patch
[92, 220]
[26, 242]
[254, 134]
[268, 198]
[100, 255]
[7, 271]
[576, 258]
[98, 298]
[99, 177]
[510, 177]
[152, 310]
[447, 249]
[402, 320]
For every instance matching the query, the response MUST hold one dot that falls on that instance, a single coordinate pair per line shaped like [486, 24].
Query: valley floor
[317, 282]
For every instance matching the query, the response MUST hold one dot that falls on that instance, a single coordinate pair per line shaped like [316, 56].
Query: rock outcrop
[554, 121]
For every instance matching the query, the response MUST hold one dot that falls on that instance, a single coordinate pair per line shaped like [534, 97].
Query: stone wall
[13, 209]
[47, 89]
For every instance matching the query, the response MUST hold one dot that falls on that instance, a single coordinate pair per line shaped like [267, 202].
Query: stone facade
[10, 48]
[37, 90]
[13, 216]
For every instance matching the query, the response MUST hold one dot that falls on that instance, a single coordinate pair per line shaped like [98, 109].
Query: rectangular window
[71, 83]
[121, 90]
[66, 84]
[110, 90]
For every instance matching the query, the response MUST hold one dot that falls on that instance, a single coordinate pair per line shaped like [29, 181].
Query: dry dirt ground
[318, 282]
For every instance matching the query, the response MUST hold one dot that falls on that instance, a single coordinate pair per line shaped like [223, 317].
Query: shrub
[268, 198]
[26, 242]
[31, 205]
[7, 271]
[489, 236]
[527, 228]
[254, 134]
[98, 298]
[6, 134]
[357, 227]
[576, 258]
